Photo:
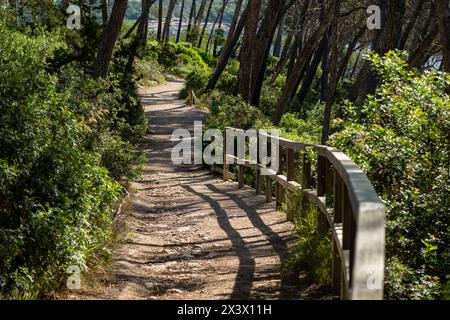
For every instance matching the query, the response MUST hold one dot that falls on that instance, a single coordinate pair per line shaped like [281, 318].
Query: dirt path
[194, 236]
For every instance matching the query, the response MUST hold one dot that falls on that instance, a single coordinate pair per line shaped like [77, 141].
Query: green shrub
[227, 83]
[312, 251]
[230, 111]
[206, 57]
[196, 81]
[149, 72]
[295, 128]
[58, 132]
[400, 137]
[172, 56]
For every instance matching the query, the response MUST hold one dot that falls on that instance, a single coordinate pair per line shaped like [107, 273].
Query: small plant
[312, 250]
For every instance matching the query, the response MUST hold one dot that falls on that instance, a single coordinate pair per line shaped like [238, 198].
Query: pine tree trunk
[442, 9]
[191, 21]
[216, 42]
[160, 16]
[166, 33]
[142, 31]
[247, 51]
[180, 22]
[279, 40]
[236, 29]
[105, 5]
[272, 15]
[333, 77]
[110, 36]
[208, 12]
[292, 81]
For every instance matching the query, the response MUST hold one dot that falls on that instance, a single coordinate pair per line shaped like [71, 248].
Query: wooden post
[241, 172]
[322, 169]
[278, 194]
[258, 182]
[226, 175]
[348, 229]
[337, 219]
[321, 175]
[336, 270]
[306, 181]
[268, 189]
[290, 164]
[258, 171]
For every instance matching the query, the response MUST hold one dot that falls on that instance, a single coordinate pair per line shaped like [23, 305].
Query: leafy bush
[295, 128]
[227, 82]
[57, 200]
[230, 111]
[63, 138]
[171, 55]
[196, 81]
[400, 137]
[312, 251]
[149, 72]
[206, 57]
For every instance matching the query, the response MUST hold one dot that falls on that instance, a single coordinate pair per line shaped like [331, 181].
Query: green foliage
[196, 81]
[400, 137]
[312, 251]
[270, 93]
[64, 140]
[230, 111]
[295, 128]
[227, 82]
[175, 57]
[148, 72]
[206, 57]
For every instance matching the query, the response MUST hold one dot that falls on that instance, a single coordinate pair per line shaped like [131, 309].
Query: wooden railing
[346, 199]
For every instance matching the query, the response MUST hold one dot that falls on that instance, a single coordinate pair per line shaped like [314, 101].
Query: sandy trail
[193, 236]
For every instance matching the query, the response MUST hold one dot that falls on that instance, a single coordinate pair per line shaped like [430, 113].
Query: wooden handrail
[356, 218]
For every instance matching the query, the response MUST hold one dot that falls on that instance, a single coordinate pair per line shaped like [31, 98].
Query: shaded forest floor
[191, 235]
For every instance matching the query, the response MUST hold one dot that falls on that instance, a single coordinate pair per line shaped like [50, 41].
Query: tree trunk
[349, 53]
[333, 78]
[160, 16]
[229, 45]
[325, 57]
[272, 15]
[279, 40]
[142, 31]
[208, 12]
[311, 73]
[181, 22]
[166, 32]
[412, 21]
[442, 8]
[218, 18]
[293, 42]
[307, 51]
[191, 20]
[219, 28]
[386, 39]
[247, 51]
[200, 13]
[106, 47]
[325, 68]
[105, 12]
[133, 27]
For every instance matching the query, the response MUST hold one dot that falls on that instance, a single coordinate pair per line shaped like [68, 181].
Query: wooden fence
[344, 196]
